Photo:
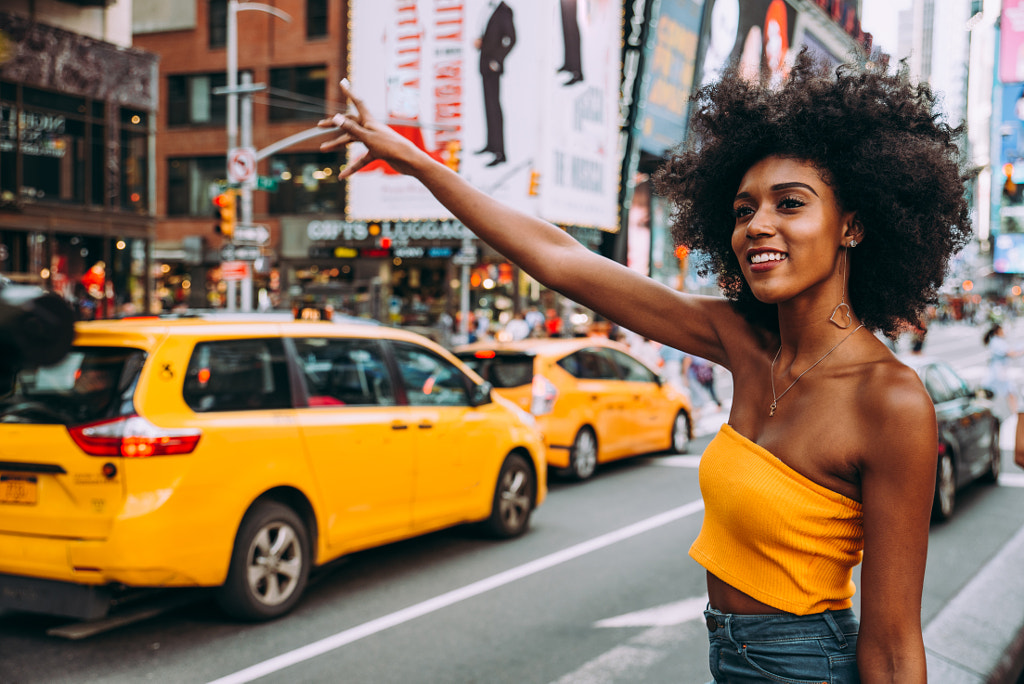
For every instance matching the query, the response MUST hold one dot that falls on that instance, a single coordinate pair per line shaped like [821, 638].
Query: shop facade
[76, 174]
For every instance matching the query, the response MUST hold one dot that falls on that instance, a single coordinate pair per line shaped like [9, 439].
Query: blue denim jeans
[793, 649]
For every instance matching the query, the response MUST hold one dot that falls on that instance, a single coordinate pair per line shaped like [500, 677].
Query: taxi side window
[589, 364]
[429, 379]
[344, 372]
[237, 375]
[631, 369]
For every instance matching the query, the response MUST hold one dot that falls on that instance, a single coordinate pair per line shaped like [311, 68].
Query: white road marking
[679, 461]
[660, 616]
[1011, 480]
[372, 627]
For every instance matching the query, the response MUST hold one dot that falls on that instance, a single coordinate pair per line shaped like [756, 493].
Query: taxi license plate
[18, 489]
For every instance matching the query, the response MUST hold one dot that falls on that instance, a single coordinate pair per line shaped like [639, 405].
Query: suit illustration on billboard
[571, 40]
[498, 38]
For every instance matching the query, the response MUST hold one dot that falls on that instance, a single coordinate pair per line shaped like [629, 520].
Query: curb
[978, 637]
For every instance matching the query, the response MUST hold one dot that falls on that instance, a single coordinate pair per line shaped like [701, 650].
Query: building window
[307, 183]
[192, 183]
[191, 102]
[135, 161]
[217, 23]
[316, 18]
[298, 93]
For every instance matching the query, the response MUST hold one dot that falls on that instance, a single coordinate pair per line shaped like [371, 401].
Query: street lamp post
[234, 122]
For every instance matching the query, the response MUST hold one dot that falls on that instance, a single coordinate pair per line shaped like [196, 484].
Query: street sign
[241, 164]
[466, 256]
[266, 183]
[258, 234]
[231, 252]
[234, 270]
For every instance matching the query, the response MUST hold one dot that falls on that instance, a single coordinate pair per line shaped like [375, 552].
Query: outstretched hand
[358, 125]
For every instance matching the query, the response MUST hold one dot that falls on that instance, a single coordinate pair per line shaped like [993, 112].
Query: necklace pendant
[771, 412]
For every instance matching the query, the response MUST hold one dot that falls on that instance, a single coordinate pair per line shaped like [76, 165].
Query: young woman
[828, 207]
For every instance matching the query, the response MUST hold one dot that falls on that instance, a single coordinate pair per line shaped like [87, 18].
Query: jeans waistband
[772, 627]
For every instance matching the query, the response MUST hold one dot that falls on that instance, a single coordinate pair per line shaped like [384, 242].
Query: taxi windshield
[89, 384]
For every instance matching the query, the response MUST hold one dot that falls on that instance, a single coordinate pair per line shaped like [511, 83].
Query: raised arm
[689, 322]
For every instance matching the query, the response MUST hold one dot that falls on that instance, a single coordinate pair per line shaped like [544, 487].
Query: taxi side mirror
[481, 394]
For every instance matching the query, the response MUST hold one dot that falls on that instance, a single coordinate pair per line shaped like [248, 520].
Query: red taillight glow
[133, 437]
[485, 354]
[543, 394]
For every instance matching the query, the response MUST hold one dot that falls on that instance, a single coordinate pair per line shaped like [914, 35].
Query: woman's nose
[760, 225]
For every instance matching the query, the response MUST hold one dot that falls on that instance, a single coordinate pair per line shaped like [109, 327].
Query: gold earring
[842, 310]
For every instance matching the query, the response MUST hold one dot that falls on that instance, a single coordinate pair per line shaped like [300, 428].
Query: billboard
[756, 34]
[522, 93]
[670, 72]
[1011, 42]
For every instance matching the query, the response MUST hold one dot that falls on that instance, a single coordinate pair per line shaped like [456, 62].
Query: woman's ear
[854, 233]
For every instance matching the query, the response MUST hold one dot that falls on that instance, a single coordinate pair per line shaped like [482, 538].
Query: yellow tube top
[774, 534]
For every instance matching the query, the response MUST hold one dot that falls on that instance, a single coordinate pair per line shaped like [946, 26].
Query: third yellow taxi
[593, 400]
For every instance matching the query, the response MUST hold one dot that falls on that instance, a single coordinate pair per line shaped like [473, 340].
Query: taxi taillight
[133, 437]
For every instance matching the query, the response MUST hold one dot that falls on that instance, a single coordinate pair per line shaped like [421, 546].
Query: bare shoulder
[896, 410]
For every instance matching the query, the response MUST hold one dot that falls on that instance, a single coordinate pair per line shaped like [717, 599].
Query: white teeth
[766, 256]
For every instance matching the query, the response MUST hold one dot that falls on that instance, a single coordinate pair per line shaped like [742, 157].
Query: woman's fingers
[340, 141]
[355, 166]
[363, 112]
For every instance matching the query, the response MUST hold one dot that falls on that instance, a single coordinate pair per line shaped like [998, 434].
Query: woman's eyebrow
[779, 186]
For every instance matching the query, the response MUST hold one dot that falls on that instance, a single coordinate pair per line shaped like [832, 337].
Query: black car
[968, 432]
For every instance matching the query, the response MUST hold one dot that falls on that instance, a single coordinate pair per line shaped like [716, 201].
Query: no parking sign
[241, 164]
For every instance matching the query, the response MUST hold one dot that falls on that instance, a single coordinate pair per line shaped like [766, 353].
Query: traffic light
[534, 183]
[227, 218]
[451, 160]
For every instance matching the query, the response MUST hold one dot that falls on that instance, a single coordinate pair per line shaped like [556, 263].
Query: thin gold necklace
[775, 398]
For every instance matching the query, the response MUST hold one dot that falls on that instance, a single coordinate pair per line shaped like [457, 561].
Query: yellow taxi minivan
[594, 401]
[239, 455]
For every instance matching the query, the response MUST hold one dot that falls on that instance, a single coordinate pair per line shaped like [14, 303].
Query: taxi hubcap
[275, 563]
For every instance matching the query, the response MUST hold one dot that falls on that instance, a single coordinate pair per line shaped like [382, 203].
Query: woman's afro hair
[874, 137]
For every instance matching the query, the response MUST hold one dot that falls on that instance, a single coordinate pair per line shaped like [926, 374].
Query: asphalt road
[600, 590]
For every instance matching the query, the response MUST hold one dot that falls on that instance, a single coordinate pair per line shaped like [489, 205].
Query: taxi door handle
[425, 426]
[399, 426]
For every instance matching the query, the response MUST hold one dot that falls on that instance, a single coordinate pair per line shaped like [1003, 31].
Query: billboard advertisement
[756, 34]
[521, 93]
[579, 74]
[1011, 42]
[670, 70]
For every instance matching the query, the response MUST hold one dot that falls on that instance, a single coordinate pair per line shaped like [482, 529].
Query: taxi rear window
[501, 370]
[89, 384]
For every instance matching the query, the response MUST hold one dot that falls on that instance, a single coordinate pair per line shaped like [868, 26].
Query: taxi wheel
[269, 565]
[945, 488]
[681, 433]
[513, 498]
[995, 463]
[583, 455]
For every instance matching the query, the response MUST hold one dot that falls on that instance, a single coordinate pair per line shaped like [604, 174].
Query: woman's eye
[741, 211]
[791, 203]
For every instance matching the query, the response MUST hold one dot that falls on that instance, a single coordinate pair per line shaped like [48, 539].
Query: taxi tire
[945, 488]
[995, 463]
[514, 496]
[583, 455]
[264, 522]
[680, 436]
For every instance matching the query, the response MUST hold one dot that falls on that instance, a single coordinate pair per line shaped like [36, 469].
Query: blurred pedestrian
[800, 197]
[517, 328]
[672, 370]
[703, 372]
[1004, 398]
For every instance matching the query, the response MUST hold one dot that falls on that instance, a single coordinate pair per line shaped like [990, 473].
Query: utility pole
[234, 122]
